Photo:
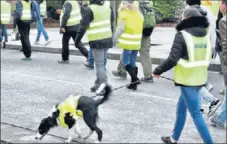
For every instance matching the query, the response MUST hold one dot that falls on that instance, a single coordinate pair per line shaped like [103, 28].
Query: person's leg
[42, 29]
[4, 32]
[90, 61]
[99, 55]
[181, 113]
[191, 99]
[80, 46]
[145, 59]
[65, 47]
[121, 72]
[220, 118]
[28, 51]
[38, 32]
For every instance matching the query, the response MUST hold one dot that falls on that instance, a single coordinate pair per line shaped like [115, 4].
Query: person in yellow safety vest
[23, 18]
[41, 12]
[212, 5]
[4, 20]
[129, 35]
[97, 22]
[190, 56]
[69, 25]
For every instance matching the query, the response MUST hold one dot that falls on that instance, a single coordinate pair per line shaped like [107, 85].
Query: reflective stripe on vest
[100, 27]
[43, 8]
[69, 106]
[75, 14]
[5, 12]
[193, 72]
[213, 5]
[26, 10]
[132, 36]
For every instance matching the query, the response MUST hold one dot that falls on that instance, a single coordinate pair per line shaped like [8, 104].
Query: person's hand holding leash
[156, 76]
[63, 30]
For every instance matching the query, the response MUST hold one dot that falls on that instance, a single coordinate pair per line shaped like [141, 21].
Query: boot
[133, 75]
[136, 72]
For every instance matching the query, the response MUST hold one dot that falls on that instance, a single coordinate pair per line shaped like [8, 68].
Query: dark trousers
[65, 45]
[24, 29]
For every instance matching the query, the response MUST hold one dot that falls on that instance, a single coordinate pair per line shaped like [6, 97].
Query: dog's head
[47, 123]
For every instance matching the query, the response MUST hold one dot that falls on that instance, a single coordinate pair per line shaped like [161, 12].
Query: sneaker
[36, 43]
[94, 88]
[222, 91]
[119, 74]
[209, 87]
[213, 106]
[167, 140]
[47, 42]
[26, 59]
[88, 65]
[216, 124]
[148, 80]
[63, 61]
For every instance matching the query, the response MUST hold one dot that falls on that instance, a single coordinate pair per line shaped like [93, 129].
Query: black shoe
[63, 61]
[167, 140]
[134, 80]
[134, 84]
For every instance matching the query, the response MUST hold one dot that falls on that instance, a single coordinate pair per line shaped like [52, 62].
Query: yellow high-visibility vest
[26, 12]
[75, 14]
[5, 12]
[213, 5]
[132, 36]
[193, 72]
[43, 8]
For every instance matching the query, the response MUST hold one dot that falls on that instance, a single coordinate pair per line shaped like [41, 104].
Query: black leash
[24, 128]
[166, 78]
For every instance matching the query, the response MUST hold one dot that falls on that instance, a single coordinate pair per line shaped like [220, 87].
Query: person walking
[41, 11]
[129, 34]
[145, 45]
[97, 22]
[69, 25]
[23, 17]
[220, 118]
[90, 62]
[5, 19]
[190, 56]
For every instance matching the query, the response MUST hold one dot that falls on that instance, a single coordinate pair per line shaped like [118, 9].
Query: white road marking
[75, 83]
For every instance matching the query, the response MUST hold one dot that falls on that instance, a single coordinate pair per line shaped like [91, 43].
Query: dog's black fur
[87, 105]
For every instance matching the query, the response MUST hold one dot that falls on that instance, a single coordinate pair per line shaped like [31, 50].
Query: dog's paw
[68, 141]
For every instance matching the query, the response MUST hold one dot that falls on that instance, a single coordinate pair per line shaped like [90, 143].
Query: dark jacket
[222, 28]
[195, 26]
[67, 7]
[88, 17]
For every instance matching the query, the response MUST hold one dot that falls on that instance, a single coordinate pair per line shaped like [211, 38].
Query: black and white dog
[89, 111]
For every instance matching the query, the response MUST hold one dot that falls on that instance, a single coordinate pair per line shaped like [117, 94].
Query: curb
[112, 56]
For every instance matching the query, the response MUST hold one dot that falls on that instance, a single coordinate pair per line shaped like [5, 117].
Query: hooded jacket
[88, 17]
[196, 26]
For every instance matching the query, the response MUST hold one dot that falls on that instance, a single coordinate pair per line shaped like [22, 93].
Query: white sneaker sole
[215, 109]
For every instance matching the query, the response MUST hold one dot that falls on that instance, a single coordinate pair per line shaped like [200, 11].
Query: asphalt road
[30, 88]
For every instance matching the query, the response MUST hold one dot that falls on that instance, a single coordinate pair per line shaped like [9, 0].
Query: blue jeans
[220, 117]
[129, 57]
[41, 30]
[204, 94]
[189, 99]
[91, 58]
[4, 33]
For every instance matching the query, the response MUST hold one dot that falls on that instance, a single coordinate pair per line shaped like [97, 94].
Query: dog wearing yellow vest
[70, 110]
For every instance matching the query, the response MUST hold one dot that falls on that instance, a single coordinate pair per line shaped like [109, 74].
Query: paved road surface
[30, 88]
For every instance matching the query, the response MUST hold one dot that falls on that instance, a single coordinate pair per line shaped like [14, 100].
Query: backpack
[146, 8]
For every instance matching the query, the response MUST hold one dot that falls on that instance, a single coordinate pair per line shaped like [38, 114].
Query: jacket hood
[195, 25]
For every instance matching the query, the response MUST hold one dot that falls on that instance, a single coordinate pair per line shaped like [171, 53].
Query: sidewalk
[161, 42]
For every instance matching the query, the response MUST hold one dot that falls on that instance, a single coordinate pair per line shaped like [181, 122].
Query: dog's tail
[107, 91]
